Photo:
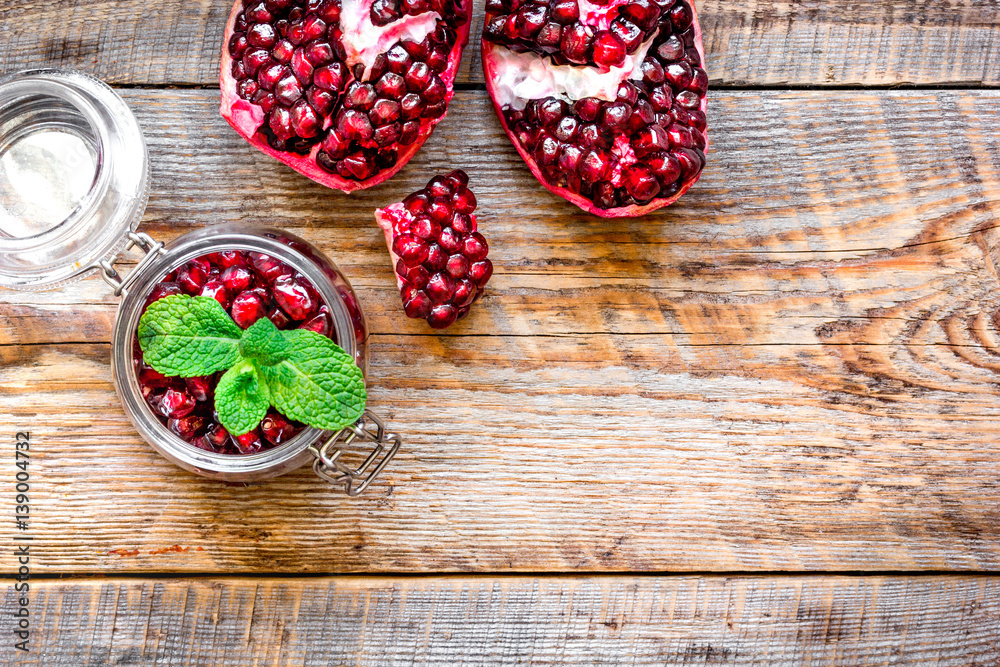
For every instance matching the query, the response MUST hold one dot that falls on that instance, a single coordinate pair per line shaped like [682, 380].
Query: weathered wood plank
[450, 621]
[756, 42]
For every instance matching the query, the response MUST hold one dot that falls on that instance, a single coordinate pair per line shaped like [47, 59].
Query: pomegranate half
[605, 102]
[342, 91]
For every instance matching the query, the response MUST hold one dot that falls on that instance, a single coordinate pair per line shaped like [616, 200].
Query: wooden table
[760, 426]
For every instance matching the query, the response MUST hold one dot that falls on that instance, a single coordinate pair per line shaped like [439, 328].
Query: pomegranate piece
[270, 288]
[613, 115]
[439, 257]
[342, 91]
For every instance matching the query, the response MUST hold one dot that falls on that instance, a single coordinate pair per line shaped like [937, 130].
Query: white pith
[363, 40]
[596, 15]
[521, 77]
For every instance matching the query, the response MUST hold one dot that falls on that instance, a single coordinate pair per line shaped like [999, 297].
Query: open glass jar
[74, 182]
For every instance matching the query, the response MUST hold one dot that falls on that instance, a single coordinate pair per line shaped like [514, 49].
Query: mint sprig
[188, 336]
[303, 374]
[317, 383]
[242, 398]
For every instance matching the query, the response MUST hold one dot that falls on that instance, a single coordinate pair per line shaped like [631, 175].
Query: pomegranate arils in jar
[343, 91]
[439, 257]
[611, 108]
[249, 286]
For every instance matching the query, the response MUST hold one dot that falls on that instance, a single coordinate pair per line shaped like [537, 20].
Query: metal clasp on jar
[152, 248]
[368, 429]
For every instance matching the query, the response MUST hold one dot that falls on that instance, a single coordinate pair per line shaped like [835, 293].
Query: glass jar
[43, 110]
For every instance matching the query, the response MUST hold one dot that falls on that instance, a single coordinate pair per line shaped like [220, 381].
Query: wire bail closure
[152, 248]
[369, 429]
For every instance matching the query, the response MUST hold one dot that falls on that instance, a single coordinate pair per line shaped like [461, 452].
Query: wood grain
[793, 368]
[781, 621]
[755, 42]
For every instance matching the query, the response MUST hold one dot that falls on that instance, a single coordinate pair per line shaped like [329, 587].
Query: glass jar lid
[74, 176]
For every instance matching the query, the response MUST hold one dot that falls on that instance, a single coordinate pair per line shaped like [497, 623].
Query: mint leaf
[318, 383]
[241, 398]
[263, 342]
[188, 336]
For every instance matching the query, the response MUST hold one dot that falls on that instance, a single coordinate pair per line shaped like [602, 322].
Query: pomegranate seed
[629, 33]
[434, 91]
[354, 125]
[331, 77]
[288, 90]
[391, 85]
[385, 112]
[277, 429]
[418, 306]
[187, 427]
[587, 108]
[465, 293]
[412, 106]
[679, 74]
[427, 229]
[320, 100]
[254, 59]
[265, 101]
[565, 129]
[565, 11]
[248, 443]
[577, 42]
[360, 96]
[283, 51]
[302, 68]
[214, 439]
[594, 166]
[650, 140]
[640, 182]
[216, 290]
[202, 388]
[609, 50]
[475, 247]
[549, 37]
[247, 308]
[481, 272]
[411, 249]
[314, 27]
[237, 278]
[191, 278]
[418, 76]
[237, 45]
[530, 19]
[270, 75]
[280, 122]
[262, 35]
[671, 49]
[320, 324]
[175, 403]
[665, 166]
[161, 290]
[442, 316]
[294, 298]
[644, 13]
[681, 16]
[149, 378]
[278, 317]
[304, 121]
[436, 257]
[258, 13]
